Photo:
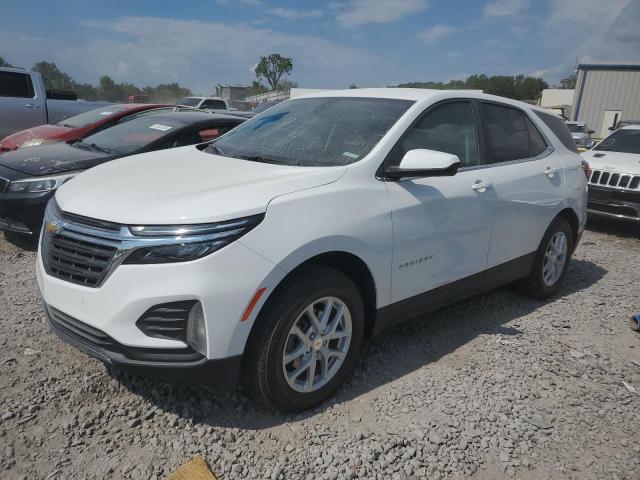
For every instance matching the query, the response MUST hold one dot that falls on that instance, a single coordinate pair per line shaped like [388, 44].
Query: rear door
[21, 107]
[441, 225]
[527, 178]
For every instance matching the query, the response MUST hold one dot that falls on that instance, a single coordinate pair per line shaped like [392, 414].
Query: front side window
[448, 128]
[510, 134]
[324, 131]
[625, 141]
[17, 85]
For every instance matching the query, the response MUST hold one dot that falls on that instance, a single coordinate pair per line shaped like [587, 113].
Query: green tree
[4, 63]
[569, 82]
[53, 78]
[166, 92]
[273, 68]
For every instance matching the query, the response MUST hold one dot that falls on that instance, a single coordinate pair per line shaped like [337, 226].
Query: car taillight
[586, 168]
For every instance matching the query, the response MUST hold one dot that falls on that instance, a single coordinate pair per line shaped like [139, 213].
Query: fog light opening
[196, 330]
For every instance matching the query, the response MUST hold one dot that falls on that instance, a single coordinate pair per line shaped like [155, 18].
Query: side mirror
[420, 163]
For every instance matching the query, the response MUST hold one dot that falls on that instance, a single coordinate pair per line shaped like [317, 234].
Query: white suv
[273, 252]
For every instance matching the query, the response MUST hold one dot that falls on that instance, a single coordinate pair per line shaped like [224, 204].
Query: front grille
[4, 184]
[83, 262]
[615, 180]
[106, 346]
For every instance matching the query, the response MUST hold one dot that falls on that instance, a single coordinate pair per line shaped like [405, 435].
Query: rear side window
[14, 84]
[559, 129]
[510, 134]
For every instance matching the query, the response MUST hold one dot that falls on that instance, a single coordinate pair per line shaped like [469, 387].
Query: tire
[264, 371]
[541, 283]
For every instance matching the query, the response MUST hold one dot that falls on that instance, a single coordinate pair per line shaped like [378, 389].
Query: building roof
[610, 66]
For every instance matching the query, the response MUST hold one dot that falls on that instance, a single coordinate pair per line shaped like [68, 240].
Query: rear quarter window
[559, 129]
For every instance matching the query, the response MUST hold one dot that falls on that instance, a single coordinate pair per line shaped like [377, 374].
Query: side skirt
[454, 292]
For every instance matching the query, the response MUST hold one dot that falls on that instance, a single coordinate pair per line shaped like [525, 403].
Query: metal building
[605, 94]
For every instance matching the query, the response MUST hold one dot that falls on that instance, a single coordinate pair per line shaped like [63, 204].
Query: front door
[611, 119]
[441, 225]
[21, 107]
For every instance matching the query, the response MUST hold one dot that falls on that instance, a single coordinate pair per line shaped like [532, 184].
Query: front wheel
[307, 340]
[551, 261]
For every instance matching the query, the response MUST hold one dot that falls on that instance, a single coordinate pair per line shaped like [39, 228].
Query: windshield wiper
[216, 149]
[92, 147]
[259, 158]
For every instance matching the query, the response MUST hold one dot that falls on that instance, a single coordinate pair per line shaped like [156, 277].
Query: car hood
[184, 185]
[52, 159]
[49, 132]
[613, 161]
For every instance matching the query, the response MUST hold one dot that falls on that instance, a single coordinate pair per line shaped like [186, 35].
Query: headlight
[39, 185]
[35, 142]
[182, 243]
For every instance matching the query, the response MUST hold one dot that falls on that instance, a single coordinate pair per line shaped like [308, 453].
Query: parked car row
[47, 156]
[268, 254]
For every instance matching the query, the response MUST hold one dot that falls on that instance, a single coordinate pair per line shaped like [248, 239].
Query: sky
[333, 43]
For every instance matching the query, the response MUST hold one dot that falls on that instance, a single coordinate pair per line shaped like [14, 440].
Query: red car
[74, 128]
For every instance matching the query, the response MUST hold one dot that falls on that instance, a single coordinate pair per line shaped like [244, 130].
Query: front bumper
[23, 213]
[614, 203]
[180, 365]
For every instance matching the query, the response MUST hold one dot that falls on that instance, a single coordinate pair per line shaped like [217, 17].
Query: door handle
[481, 186]
[551, 172]
[32, 105]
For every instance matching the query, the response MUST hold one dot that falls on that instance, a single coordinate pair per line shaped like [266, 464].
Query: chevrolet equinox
[270, 254]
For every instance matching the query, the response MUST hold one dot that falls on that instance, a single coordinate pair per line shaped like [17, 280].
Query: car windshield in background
[625, 141]
[188, 102]
[92, 116]
[323, 131]
[573, 128]
[128, 137]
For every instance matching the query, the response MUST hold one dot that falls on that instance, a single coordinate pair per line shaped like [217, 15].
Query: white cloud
[197, 54]
[362, 12]
[291, 14]
[503, 8]
[432, 35]
[591, 30]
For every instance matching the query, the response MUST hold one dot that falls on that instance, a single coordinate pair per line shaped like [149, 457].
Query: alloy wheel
[317, 344]
[555, 258]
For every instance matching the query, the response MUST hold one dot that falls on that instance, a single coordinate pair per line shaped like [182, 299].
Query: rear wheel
[552, 260]
[307, 340]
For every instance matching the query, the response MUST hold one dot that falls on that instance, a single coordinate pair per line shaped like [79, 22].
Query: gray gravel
[500, 386]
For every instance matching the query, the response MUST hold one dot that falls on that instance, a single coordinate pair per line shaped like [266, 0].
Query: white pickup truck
[24, 102]
[216, 105]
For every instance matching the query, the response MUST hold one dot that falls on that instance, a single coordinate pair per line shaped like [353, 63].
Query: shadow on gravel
[25, 242]
[395, 353]
[611, 226]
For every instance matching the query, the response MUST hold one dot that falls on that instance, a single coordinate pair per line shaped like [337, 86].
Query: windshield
[625, 141]
[128, 137]
[573, 128]
[188, 101]
[92, 116]
[313, 131]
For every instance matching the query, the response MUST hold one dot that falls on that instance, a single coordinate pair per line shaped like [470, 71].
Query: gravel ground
[499, 386]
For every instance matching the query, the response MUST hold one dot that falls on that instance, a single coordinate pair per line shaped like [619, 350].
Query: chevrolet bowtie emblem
[53, 228]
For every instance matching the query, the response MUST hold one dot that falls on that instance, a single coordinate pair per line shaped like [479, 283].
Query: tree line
[517, 87]
[107, 89]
